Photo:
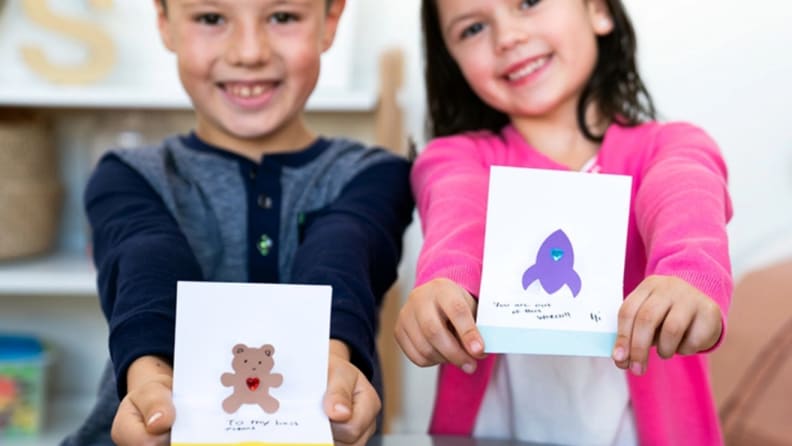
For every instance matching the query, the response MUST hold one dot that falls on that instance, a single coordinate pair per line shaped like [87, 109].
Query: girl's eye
[472, 30]
[209, 19]
[525, 4]
[283, 17]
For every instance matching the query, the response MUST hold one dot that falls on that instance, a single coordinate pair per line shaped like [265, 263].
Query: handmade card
[552, 279]
[250, 364]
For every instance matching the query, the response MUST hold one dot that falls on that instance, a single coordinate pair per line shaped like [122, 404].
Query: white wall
[726, 66]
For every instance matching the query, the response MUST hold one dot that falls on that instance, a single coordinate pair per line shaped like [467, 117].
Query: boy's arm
[355, 246]
[140, 253]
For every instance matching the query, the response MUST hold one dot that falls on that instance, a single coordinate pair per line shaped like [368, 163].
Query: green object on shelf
[22, 385]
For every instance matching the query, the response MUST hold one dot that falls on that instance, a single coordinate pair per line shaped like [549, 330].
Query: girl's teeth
[528, 69]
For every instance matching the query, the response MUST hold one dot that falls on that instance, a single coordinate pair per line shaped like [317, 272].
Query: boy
[251, 195]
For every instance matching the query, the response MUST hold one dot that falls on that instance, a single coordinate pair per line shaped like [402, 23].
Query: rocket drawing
[554, 265]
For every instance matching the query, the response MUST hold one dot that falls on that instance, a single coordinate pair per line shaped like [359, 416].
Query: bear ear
[269, 350]
[239, 348]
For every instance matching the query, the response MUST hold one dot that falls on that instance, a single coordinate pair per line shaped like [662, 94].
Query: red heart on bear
[252, 383]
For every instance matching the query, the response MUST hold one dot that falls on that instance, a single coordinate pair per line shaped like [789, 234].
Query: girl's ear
[600, 17]
[331, 22]
[162, 25]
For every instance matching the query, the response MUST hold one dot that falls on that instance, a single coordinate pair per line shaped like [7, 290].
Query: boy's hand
[437, 325]
[351, 402]
[146, 413]
[669, 313]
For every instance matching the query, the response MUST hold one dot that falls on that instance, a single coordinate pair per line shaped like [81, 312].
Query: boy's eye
[210, 19]
[472, 30]
[283, 17]
[525, 4]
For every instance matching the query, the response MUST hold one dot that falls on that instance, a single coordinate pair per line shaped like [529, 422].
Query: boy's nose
[249, 46]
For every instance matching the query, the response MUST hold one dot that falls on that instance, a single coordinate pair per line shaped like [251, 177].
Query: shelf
[117, 97]
[61, 419]
[56, 275]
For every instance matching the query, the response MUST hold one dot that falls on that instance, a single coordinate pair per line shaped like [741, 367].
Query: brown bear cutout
[252, 378]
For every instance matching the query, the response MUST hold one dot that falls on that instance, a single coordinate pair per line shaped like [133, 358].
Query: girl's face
[525, 58]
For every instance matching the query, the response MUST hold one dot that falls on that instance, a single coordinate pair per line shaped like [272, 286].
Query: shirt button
[264, 201]
[264, 244]
[252, 174]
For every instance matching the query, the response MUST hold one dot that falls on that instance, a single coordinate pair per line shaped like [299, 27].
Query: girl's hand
[669, 313]
[437, 325]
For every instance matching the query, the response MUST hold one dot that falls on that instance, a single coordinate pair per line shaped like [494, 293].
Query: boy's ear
[600, 15]
[331, 22]
[162, 24]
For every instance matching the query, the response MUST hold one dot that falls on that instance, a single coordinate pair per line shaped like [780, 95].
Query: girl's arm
[437, 324]
[450, 183]
[681, 209]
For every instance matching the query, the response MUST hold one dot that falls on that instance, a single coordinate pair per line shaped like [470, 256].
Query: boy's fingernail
[153, 418]
[476, 347]
[637, 368]
[618, 354]
[468, 368]
[341, 408]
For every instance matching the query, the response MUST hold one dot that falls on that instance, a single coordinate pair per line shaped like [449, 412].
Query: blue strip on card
[547, 342]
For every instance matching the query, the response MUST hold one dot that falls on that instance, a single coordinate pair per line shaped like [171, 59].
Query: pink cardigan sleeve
[450, 183]
[681, 209]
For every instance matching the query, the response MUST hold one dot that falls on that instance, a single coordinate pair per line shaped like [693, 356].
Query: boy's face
[249, 66]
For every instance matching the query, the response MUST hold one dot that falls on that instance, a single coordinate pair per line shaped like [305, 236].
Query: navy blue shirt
[141, 251]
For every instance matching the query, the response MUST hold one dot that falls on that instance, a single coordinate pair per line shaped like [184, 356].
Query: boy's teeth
[528, 69]
[247, 91]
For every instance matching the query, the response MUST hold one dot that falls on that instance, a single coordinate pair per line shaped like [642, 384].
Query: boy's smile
[249, 94]
[249, 67]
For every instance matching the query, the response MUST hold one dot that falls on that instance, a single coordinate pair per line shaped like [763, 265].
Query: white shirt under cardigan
[561, 400]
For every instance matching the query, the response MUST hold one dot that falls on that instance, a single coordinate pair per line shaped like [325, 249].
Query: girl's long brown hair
[615, 85]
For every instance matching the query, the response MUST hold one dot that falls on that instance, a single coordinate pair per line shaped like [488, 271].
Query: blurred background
[80, 76]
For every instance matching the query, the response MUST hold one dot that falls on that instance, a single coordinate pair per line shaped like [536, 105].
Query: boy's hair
[615, 84]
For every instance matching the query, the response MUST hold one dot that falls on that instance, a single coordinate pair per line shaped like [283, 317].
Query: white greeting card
[552, 279]
[250, 364]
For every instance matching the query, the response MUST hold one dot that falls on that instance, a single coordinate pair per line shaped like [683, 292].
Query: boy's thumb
[338, 398]
[158, 421]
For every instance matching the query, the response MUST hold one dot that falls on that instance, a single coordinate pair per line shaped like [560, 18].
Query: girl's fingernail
[618, 354]
[468, 368]
[154, 418]
[636, 368]
[476, 347]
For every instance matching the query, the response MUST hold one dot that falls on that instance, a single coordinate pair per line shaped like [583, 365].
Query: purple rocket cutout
[554, 265]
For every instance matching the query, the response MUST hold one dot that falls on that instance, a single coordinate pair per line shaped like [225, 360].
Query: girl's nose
[509, 32]
[249, 46]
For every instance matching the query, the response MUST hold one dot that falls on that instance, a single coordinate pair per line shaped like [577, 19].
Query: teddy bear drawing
[252, 378]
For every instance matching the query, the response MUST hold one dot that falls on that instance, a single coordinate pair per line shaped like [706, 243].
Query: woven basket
[26, 147]
[30, 191]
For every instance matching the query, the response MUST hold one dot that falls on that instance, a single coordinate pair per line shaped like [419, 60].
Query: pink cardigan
[677, 227]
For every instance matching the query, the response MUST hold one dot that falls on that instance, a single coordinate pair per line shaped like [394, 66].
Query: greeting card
[552, 279]
[250, 364]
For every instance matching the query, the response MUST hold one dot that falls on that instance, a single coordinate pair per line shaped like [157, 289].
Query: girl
[553, 84]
